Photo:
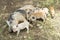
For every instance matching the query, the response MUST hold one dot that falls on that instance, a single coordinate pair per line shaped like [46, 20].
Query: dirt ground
[50, 30]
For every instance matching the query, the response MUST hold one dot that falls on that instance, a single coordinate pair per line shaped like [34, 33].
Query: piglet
[18, 27]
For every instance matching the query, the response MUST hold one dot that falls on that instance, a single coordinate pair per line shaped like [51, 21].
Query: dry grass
[48, 30]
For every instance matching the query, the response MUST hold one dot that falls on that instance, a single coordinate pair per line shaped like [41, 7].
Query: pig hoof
[11, 31]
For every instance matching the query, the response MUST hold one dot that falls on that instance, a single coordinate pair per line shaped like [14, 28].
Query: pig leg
[10, 29]
[27, 29]
[18, 32]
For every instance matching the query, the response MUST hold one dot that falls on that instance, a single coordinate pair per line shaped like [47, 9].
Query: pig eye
[28, 12]
[33, 17]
